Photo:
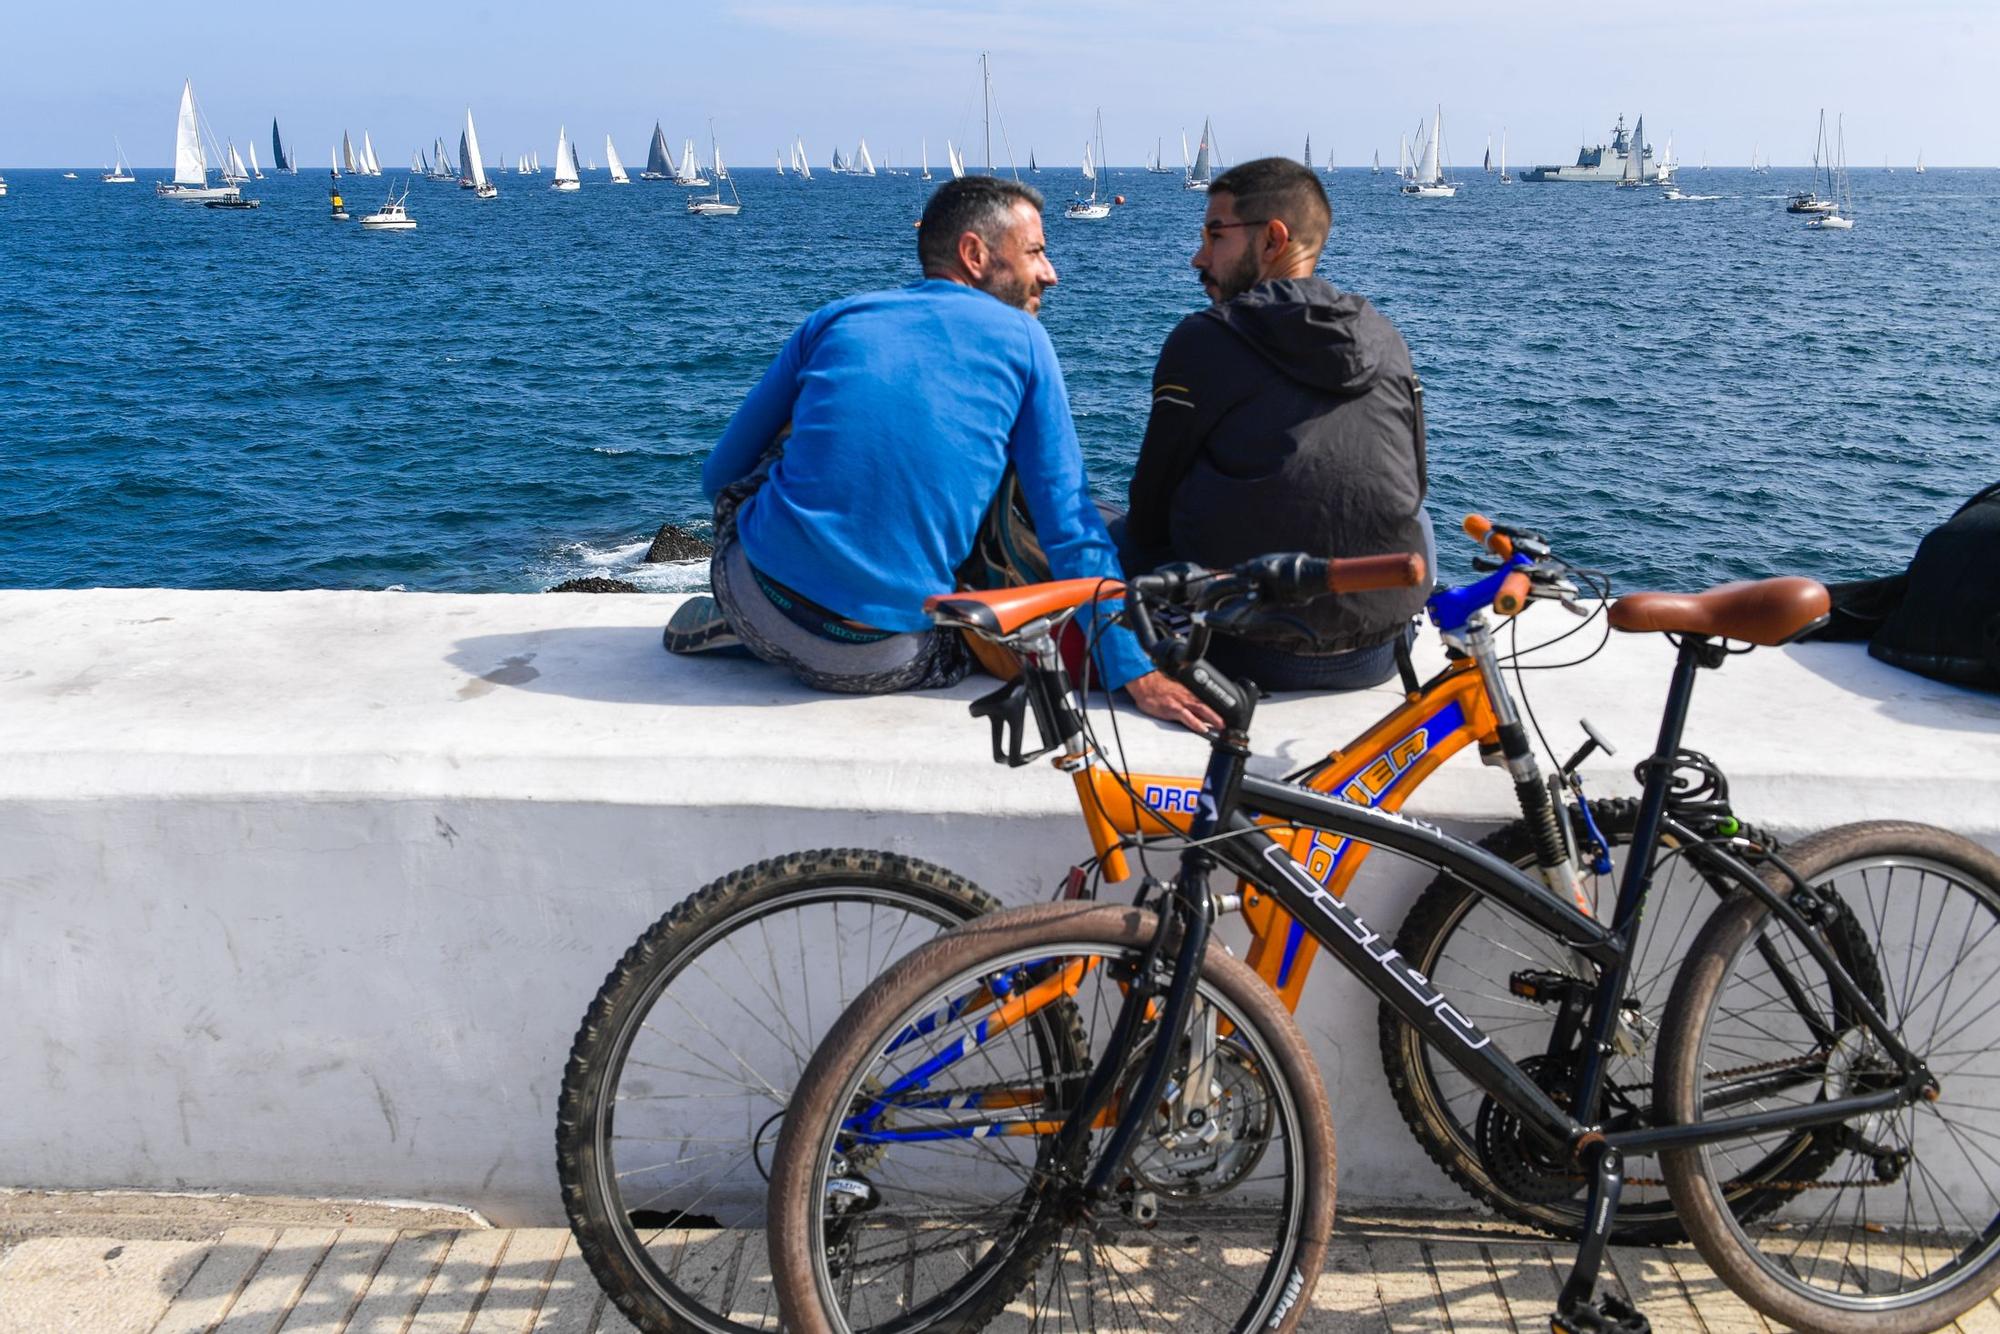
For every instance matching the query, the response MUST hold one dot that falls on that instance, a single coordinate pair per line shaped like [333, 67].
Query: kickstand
[1581, 1309]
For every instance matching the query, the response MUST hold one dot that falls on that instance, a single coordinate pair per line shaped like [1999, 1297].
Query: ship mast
[986, 107]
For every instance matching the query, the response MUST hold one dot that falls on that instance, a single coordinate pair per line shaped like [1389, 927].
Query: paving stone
[459, 1282]
[276, 1286]
[573, 1298]
[1403, 1277]
[342, 1280]
[99, 1284]
[400, 1283]
[226, 1267]
[520, 1280]
[1345, 1300]
[1471, 1297]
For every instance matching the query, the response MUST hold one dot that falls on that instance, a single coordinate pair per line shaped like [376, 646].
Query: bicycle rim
[1905, 1209]
[975, 1219]
[705, 1063]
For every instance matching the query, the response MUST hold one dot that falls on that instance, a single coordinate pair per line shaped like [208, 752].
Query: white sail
[721, 173]
[1200, 172]
[368, 153]
[801, 163]
[190, 163]
[253, 161]
[1089, 170]
[347, 154]
[924, 147]
[1432, 173]
[611, 160]
[1631, 176]
[233, 169]
[956, 159]
[565, 156]
[864, 165]
[470, 162]
[690, 174]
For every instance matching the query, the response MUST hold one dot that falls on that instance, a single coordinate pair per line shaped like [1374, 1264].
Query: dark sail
[659, 162]
[278, 159]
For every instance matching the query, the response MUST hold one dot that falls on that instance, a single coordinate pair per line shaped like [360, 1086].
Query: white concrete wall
[306, 892]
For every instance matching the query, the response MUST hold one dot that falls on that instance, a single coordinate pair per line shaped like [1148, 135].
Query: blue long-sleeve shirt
[905, 408]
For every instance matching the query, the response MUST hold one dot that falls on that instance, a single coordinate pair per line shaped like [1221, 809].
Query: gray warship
[1604, 163]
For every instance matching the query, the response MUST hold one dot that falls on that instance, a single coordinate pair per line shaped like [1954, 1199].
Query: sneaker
[698, 626]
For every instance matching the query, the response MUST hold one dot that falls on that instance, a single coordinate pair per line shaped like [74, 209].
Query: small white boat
[713, 206]
[1429, 182]
[392, 216]
[119, 174]
[3, 187]
[190, 182]
[615, 163]
[690, 170]
[470, 162]
[1840, 216]
[69, 175]
[1090, 209]
[566, 166]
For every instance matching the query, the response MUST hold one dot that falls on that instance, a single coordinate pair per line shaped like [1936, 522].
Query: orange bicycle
[685, 1061]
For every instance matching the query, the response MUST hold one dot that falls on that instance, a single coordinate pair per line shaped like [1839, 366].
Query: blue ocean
[521, 391]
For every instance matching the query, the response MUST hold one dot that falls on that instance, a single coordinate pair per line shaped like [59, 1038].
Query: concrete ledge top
[165, 694]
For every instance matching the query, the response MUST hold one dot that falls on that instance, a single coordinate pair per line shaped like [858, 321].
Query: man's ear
[972, 253]
[1277, 235]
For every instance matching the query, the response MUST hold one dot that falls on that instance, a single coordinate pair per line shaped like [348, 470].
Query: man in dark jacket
[1286, 417]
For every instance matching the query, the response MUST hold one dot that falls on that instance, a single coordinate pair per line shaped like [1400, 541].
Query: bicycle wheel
[1472, 949]
[918, 1180]
[1898, 1228]
[685, 1061]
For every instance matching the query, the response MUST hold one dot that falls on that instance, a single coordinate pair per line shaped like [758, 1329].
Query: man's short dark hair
[980, 204]
[1278, 187]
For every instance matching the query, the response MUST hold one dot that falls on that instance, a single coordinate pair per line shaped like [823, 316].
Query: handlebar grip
[1513, 594]
[1359, 574]
[1481, 530]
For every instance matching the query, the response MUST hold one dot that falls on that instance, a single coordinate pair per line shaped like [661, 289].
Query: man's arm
[1166, 455]
[763, 414]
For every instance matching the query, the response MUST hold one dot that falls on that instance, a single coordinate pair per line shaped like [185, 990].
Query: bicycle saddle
[1763, 611]
[1002, 611]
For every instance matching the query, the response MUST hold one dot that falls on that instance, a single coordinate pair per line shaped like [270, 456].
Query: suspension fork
[1544, 818]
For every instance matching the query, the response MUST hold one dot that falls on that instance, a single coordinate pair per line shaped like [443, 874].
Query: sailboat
[1033, 168]
[1308, 158]
[190, 180]
[371, 165]
[1376, 170]
[1330, 167]
[472, 164]
[1505, 179]
[801, 164]
[712, 206]
[441, 164]
[1090, 209]
[956, 159]
[1840, 218]
[690, 170]
[924, 150]
[659, 158]
[1811, 201]
[280, 159]
[863, 164]
[233, 170]
[1201, 171]
[566, 167]
[1920, 162]
[1157, 167]
[1487, 165]
[617, 167]
[255, 174]
[122, 173]
[1634, 174]
[1429, 182]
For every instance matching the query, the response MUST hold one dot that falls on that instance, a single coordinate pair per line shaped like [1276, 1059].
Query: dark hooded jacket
[1287, 419]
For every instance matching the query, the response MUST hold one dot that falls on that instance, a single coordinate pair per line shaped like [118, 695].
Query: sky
[1721, 76]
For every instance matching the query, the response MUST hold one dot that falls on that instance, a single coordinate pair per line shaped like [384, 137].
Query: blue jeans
[1276, 669]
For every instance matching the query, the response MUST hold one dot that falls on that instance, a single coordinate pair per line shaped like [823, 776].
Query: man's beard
[1235, 282]
[1017, 290]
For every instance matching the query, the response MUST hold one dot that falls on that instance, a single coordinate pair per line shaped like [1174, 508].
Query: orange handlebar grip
[1513, 594]
[1358, 574]
[1480, 529]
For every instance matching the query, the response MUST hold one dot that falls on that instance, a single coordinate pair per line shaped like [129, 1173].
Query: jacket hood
[1313, 332]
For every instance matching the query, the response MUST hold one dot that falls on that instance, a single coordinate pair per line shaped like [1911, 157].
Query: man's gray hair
[983, 205]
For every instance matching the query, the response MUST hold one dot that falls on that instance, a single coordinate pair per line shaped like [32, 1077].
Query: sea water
[523, 389]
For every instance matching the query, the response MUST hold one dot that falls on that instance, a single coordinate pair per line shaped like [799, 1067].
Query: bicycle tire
[1442, 1122]
[609, 1234]
[892, 1007]
[1762, 1264]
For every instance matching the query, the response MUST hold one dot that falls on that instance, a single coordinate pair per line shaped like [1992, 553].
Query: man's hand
[1162, 697]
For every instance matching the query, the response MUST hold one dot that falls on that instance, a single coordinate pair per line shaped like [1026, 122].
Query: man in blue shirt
[850, 484]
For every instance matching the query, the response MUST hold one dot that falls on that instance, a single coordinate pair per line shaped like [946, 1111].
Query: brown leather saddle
[1767, 612]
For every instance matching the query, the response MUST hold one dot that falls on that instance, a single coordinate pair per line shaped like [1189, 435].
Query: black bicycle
[1095, 1117]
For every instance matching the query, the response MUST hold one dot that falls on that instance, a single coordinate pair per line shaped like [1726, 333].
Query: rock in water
[595, 583]
[673, 542]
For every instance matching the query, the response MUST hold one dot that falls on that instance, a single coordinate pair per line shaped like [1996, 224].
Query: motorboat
[392, 216]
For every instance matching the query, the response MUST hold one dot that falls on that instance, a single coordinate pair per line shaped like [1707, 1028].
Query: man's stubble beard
[1237, 281]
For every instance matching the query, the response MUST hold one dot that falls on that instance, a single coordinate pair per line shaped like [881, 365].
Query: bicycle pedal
[1606, 1315]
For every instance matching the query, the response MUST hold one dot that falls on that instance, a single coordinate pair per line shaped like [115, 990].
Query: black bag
[1941, 618]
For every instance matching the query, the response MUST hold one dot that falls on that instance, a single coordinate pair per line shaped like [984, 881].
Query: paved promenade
[173, 1265]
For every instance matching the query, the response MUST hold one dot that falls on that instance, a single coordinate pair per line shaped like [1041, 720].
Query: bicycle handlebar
[1487, 534]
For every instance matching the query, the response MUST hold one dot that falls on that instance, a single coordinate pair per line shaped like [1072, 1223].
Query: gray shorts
[919, 660]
